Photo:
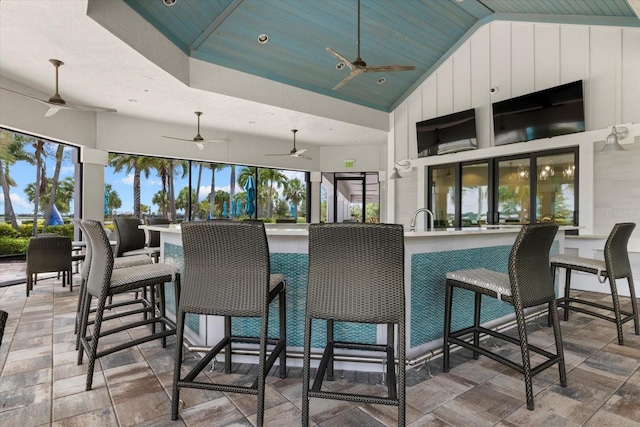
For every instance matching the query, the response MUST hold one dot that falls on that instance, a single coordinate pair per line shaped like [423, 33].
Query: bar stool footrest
[354, 397]
[564, 303]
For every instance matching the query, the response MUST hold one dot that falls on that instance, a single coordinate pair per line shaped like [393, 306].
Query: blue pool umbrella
[239, 208]
[232, 211]
[106, 202]
[250, 196]
[56, 218]
[225, 208]
[292, 210]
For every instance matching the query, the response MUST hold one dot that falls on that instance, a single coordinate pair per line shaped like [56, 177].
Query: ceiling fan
[358, 66]
[294, 152]
[198, 140]
[56, 103]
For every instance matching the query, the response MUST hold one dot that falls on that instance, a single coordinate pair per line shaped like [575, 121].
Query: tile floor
[41, 384]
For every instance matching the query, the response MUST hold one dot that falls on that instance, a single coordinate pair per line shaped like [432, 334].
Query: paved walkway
[41, 383]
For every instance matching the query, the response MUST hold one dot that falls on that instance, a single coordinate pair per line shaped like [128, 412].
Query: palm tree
[54, 183]
[64, 194]
[39, 153]
[214, 167]
[160, 199]
[11, 151]
[114, 199]
[295, 192]
[139, 165]
[269, 177]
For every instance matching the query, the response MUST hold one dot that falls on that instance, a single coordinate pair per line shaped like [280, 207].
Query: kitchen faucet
[412, 224]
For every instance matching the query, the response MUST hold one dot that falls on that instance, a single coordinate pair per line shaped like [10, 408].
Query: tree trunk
[54, 184]
[172, 196]
[212, 195]
[195, 199]
[9, 213]
[40, 179]
[232, 182]
[136, 193]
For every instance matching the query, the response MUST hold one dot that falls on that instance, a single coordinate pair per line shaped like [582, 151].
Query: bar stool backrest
[616, 255]
[101, 266]
[356, 272]
[226, 268]
[130, 237]
[529, 271]
[154, 236]
[88, 253]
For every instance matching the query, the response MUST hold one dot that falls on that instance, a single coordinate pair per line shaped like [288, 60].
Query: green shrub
[6, 230]
[13, 245]
[26, 230]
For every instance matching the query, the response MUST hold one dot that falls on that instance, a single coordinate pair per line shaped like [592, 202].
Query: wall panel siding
[429, 97]
[630, 102]
[481, 99]
[546, 56]
[445, 88]
[414, 115]
[574, 54]
[522, 62]
[604, 77]
[462, 78]
[500, 55]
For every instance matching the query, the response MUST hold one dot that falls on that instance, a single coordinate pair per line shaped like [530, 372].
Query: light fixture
[381, 80]
[523, 172]
[612, 142]
[339, 66]
[546, 171]
[263, 38]
[404, 165]
[569, 171]
[169, 2]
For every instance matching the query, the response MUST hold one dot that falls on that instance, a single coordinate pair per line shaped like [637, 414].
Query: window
[350, 197]
[193, 190]
[504, 190]
[33, 169]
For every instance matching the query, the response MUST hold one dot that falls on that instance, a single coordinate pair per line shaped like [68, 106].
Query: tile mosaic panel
[294, 267]
[428, 277]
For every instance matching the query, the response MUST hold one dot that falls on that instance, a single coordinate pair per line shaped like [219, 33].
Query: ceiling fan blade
[179, 139]
[301, 156]
[346, 79]
[200, 145]
[216, 140]
[272, 154]
[340, 58]
[298, 152]
[54, 107]
[386, 68]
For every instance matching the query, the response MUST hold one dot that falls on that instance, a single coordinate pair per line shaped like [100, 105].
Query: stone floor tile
[35, 414]
[603, 418]
[80, 403]
[103, 417]
[220, 409]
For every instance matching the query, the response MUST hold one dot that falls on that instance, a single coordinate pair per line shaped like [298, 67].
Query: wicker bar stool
[528, 284]
[614, 266]
[49, 253]
[227, 273]
[356, 274]
[103, 282]
[131, 240]
[123, 262]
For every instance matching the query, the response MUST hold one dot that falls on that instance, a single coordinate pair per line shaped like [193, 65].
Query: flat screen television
[447, 134]
[551, 112]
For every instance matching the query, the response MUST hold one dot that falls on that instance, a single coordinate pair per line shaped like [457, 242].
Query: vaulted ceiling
[114, 57]
[402, 32]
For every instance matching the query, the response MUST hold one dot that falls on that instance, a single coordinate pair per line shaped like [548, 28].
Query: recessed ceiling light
[381, 80]
[263, 38]
[169, 2]
[339, 65]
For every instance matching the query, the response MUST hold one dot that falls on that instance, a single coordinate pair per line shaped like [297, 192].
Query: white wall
[519, 58]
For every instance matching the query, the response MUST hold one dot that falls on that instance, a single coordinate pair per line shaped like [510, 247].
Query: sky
[24, 174]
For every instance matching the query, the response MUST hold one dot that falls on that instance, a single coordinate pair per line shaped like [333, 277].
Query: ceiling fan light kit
[358, 66]
[57, 103]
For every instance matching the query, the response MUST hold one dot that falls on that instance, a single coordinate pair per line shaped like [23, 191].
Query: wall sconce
[402, 165]
[612, 142]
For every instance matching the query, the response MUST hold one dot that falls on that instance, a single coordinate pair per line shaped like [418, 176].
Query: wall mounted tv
[551, 112]
[447, 134]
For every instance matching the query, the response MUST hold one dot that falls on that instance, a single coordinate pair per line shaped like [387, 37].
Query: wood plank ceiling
[399, 32]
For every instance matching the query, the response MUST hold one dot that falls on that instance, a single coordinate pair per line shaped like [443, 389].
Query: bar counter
[429, 255]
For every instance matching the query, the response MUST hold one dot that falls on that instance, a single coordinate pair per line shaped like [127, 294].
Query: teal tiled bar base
[428, 257]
